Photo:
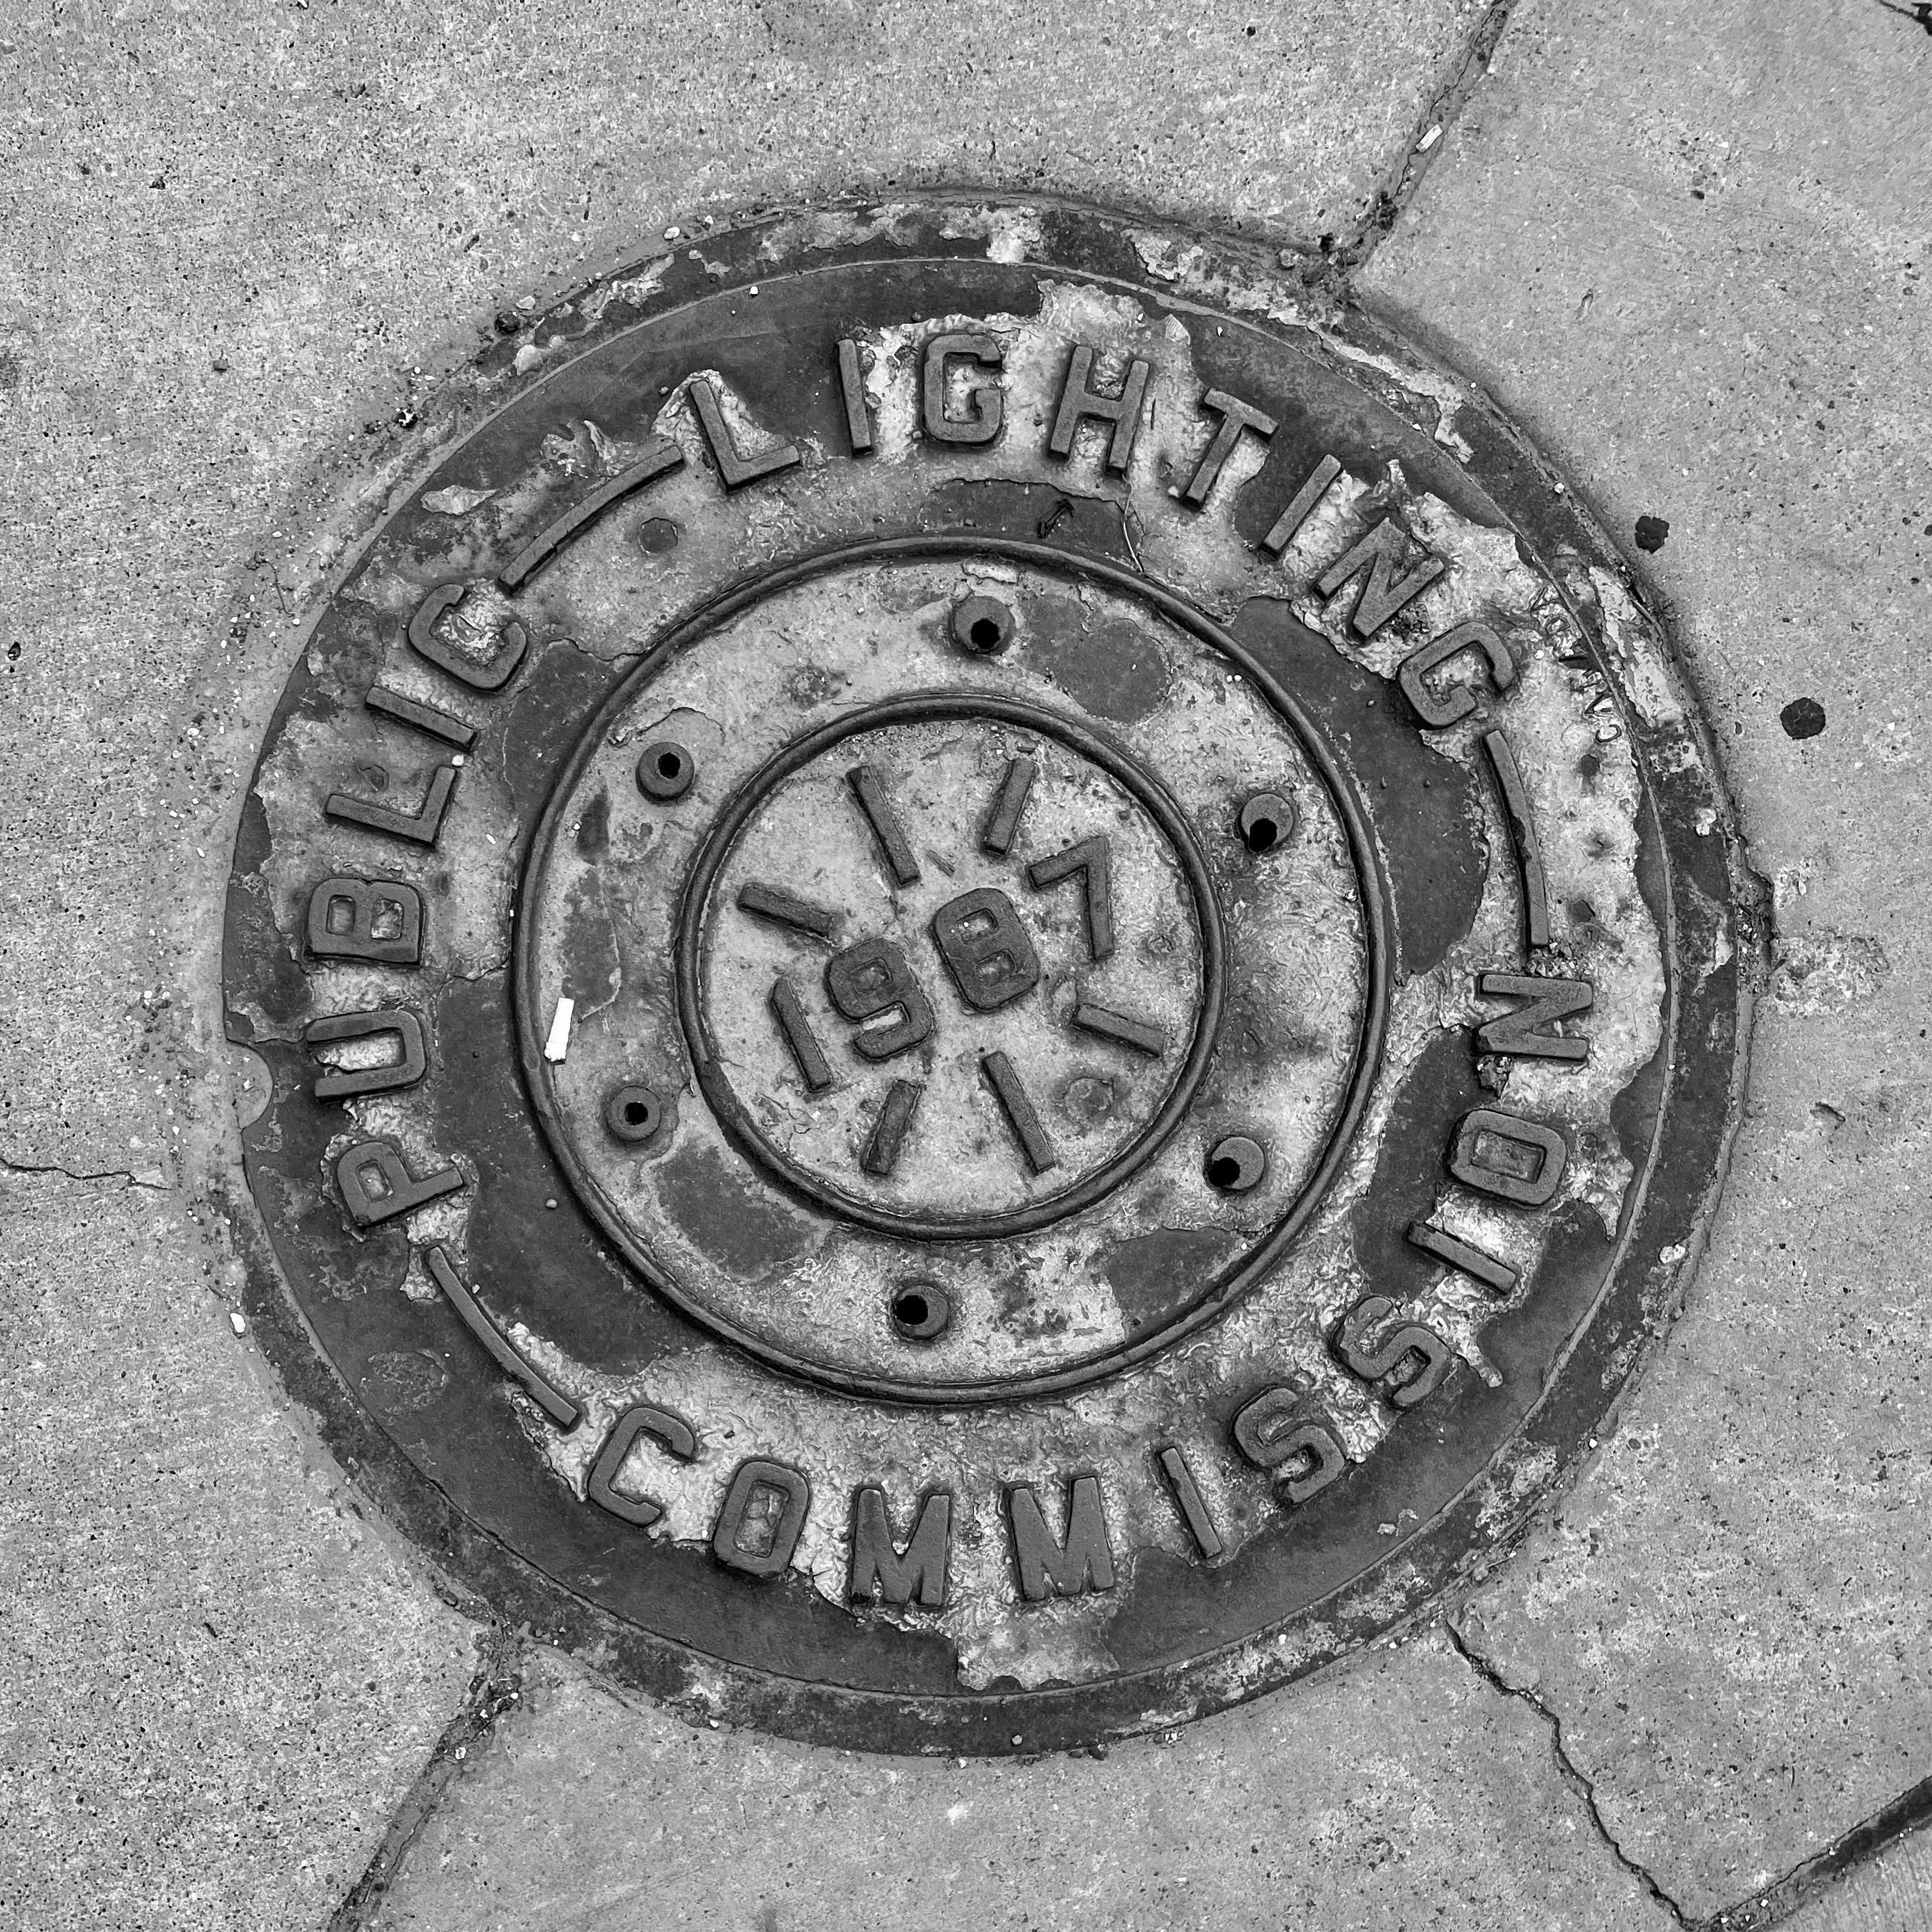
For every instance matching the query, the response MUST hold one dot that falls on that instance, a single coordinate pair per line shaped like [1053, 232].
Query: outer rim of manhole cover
[1300, 1351]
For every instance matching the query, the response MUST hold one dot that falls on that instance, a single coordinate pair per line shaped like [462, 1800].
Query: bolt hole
[1265, 821]
[632, 1113]
[665, 771]
[920, 1310]
[982, 626]
[1235, 1164]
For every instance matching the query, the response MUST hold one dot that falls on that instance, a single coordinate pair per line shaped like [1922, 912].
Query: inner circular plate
[1057, 1122]
[1045, 997]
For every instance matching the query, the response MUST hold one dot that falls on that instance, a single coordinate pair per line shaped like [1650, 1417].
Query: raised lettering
[1068, 1566]
[1437, 712]
[873, 978]
[672, 1433]
[1548, 1000]
[852, 388]
[1407, 1360]
[1091, 862]
[987, 401]
[885, 1571]
[1384, 593]
[1301, 505]
[380, 920]
[1498, 1277]
[494, 672]
[1079, 403]
[1513, 1159]
[376, 1186]
[1281, 1431]
[986, 948]
[1236, 416]
[762, 1518]
[419, 827]
[397, 1023]
[736, 468]
[1189, 1502]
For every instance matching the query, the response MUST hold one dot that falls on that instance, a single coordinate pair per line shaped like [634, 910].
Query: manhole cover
[998, 979]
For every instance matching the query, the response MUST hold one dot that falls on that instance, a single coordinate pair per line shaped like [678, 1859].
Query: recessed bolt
[920, 1310]
[632, 1113]
[1266, 822]
[665, 770]
[982, 625]
[1236, 1165]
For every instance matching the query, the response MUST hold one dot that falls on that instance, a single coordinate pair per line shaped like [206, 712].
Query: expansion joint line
[1426, 141]
[1571, 1776]
[496, 1689]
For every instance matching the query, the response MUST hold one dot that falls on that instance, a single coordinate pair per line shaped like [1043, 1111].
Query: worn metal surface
[1062, 986]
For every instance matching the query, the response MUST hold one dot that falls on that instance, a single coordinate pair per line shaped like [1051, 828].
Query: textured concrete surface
[1686, 248]
[1405, 1794]
[216, 1680]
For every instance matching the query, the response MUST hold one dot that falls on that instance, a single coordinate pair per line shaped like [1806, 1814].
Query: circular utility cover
[999, 979]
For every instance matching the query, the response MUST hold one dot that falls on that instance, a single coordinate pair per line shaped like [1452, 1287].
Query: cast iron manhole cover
[998, 979]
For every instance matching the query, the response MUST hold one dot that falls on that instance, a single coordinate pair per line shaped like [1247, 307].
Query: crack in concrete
[496, 1688]
[1566, 1769]
[9, 1165]
[1427, 140]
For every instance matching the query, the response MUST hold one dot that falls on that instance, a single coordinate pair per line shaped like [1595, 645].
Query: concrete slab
[1404, 1794]
[1688, 253]
[217, 1679]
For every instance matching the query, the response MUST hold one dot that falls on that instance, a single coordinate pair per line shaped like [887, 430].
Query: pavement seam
[496, 1688]
[1404, 175]
[10, 1166]
[1909, 1812]
[1566, 1769]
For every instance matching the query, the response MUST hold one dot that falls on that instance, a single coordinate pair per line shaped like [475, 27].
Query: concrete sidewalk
[1686, 254]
